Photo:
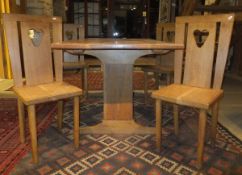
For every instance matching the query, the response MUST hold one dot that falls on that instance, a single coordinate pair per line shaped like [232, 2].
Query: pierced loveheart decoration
[200, 37]
[69, 34]
[35, 36]
[170, 35]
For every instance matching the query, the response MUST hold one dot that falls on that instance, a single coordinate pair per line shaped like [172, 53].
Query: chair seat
[46, 92]
[189, 96]
[155, 68]
[74, 65]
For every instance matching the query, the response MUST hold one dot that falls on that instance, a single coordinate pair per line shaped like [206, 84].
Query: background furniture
[41, 85]
[165, 62]
[5, 88]
[75, 60]
[198, 74]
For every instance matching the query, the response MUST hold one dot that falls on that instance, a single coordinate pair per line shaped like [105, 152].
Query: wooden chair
[29, 43]
[75, 60]
[165, 62]
[199, 71]
[5, 88]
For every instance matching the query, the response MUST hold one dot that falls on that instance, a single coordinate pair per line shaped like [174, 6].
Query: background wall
[59, 8]
[39, 7]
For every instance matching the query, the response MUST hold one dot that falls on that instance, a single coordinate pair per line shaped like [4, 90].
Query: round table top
[116, 44]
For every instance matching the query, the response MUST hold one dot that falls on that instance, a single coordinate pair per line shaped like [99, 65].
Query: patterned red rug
[131, 154]
[111, 154]
[11, 150]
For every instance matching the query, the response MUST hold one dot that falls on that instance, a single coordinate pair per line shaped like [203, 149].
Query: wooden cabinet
[17, 6]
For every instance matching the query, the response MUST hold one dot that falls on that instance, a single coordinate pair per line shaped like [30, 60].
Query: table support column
[118, 81]
[118, 90]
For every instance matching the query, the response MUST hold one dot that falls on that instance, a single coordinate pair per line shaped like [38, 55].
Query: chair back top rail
[29, 42]
[165, 32]
[73, 31]
[206, 40]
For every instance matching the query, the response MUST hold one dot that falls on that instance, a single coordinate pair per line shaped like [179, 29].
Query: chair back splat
[206, 41]
[32, 50]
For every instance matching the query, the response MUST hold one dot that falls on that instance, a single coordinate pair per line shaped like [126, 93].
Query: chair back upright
[206, 40]
[29, 41]
[166, 32]
[73, 32]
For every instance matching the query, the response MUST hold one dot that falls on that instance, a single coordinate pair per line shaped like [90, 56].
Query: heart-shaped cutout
[35, 36]
[200, 37]
[170, 35]
[69, 34]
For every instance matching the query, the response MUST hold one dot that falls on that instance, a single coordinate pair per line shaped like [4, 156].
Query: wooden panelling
[17, 8]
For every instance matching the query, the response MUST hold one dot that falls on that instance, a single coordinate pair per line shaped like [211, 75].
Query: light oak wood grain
[75, 59]
[76, 113]
[164, 61]
[117, 127]
[201, 136]
[189, 95]
[57, 54]
[33, 132]
[37, 62]
[21, 118]
[158, 123]
[125, 44]
[199, 70]
[46, 92]
[118, 57]
[43, 80]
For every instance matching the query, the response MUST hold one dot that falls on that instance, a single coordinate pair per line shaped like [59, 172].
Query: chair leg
[168, 78]
[157, 80]
[146, 86]
[85, 78]
[201, 136]
[176, 119]
[76, 113]
[59, 113]
[21, 120]
[158, 126]
[214, 122]
[33, 132]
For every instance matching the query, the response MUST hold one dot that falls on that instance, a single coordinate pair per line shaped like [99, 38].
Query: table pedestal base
[117, 127]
